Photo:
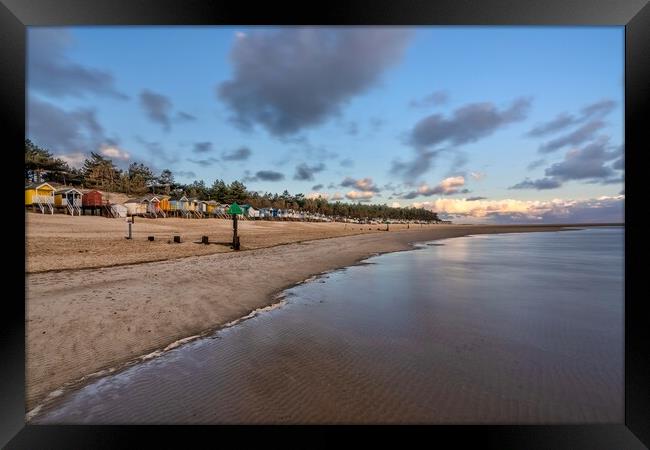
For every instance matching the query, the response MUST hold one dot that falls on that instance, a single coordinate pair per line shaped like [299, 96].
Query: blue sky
[480, 123]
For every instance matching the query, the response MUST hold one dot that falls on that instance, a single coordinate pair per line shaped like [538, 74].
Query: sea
[520, 328]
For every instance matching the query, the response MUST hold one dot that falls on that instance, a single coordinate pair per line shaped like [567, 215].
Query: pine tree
[237, 192]
[100, 172]
[219, 191]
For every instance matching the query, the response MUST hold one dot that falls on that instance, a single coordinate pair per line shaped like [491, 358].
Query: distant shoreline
[62, 243]
[80, 322]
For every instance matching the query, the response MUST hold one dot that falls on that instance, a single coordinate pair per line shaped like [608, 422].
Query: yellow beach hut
[211, 207]
[164, 203]
[40, 195]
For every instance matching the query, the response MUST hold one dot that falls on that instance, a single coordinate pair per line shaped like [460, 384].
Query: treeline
[101, 173]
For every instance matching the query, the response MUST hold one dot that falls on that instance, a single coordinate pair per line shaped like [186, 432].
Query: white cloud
[315, 195]
[365, 184]
[601, 209]
[362, 184]
[395, 205]
[115, 152]
[73, 159]
[337, 196]
[360, 195]
[448, 186]
[452, 182]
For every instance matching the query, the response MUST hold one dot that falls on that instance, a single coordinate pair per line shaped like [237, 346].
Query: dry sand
[56, 242]
[83, 321]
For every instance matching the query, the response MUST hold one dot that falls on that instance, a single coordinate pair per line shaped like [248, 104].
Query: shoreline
[127, 349]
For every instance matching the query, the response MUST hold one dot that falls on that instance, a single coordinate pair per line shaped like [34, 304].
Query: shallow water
[512, 328]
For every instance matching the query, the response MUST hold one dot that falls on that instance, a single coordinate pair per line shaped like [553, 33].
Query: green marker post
[234, 210]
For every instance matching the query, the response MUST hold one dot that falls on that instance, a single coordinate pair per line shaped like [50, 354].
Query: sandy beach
[91, 317]
[57, 242]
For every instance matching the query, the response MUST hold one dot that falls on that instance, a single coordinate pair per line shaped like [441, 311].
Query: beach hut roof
[88, 191]
[37, 185]
[158, 197]
[65, 190]
[212, 202]
[150, 198]
[133, 200]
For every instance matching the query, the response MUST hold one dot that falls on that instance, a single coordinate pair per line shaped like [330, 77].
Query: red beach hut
[92, 199]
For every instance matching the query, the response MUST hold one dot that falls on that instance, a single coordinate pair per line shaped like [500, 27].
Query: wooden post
[129, 236]
[204, 240]
[150, 238]
[177, 239]
[235, 238]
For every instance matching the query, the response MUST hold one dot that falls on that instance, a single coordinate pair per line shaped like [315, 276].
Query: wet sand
[79, 322]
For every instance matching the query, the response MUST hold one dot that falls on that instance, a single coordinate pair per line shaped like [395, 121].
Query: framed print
[325, 218]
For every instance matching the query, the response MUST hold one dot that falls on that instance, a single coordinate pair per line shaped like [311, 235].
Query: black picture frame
[16, 15]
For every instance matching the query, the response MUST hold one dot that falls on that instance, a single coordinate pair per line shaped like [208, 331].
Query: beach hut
[40, 195]
[152, 204]
[132, 206]
[93, 200]
[202, 207]
[253, 213]
[222, 211]
[180, 206]
[184, 203]
[194, 207]
[136, 207]
[183, 206]
[211, 207]
[164, 203]
[118, 210]
[174, 205]
[244, 209]
[69, 199]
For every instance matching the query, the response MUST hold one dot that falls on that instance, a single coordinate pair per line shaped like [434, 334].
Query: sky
[480, 124]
